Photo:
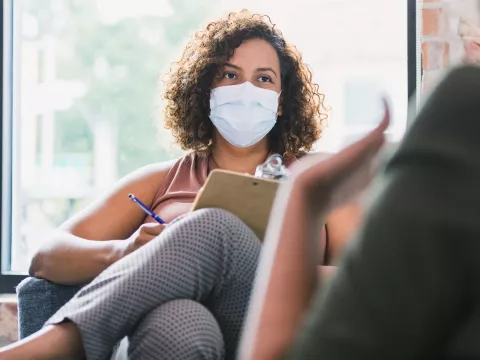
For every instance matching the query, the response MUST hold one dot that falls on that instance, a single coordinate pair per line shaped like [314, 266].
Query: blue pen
[146, 209]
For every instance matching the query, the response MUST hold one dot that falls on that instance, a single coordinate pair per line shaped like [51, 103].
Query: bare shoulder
[144, 182]
[152, 173]
[110, 216]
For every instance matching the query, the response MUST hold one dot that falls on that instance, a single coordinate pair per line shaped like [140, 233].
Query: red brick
[436, 55]
[434, 22]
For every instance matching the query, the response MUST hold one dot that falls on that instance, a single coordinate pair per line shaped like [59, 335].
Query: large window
[357, 50]
[80, 92]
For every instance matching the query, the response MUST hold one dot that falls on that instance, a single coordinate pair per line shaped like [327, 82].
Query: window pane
[357, 51]
[86, 84]
[86, 89]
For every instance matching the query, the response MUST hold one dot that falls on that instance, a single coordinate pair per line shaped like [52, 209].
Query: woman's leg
[209, 256]
[179, 329]
[50, 343]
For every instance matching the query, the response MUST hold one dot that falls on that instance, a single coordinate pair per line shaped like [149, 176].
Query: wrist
[315, 198]
[116, 251]
[300, 192]
[312, 201]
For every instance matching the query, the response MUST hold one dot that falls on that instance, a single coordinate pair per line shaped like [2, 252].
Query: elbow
[44, 258]
[37, 265]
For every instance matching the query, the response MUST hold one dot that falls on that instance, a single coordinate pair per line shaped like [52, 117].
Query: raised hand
[329, 183]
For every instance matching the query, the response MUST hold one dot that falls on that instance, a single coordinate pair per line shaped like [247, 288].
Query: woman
[238, 93]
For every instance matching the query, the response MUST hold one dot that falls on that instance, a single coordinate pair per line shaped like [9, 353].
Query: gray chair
[39, 299]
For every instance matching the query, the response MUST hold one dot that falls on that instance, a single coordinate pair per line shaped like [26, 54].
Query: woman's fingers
[153, 228]
[148, 232]
[348, 160]
[362, 151]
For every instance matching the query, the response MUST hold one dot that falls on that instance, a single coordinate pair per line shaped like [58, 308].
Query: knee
[218, 217]
[207, 236]
[213, 223]
[214, 228]
[179, 329]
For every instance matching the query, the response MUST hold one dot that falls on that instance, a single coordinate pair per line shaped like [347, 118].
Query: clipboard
[248, 197]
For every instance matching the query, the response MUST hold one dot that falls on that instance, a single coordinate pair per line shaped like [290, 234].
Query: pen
[146, 209]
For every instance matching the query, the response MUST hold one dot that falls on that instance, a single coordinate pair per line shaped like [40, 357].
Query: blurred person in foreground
[408, 286]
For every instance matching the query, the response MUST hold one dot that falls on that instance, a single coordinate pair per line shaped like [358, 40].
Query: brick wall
[442, 44]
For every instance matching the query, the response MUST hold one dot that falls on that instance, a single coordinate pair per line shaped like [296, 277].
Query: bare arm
[342, 224]
[91, 241]
[290, 273]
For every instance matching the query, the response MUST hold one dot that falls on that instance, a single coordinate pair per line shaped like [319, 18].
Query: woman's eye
[230, 76]
[264, 79]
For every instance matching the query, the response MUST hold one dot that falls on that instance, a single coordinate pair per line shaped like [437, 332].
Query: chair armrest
[38, 300]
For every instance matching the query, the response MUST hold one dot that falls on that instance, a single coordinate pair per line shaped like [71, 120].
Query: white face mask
[243, 114]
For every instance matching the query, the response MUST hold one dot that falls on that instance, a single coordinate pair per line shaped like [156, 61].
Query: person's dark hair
[187, 91]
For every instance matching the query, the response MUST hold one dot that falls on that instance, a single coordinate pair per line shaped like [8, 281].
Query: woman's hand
[327, 184]
[142, 236]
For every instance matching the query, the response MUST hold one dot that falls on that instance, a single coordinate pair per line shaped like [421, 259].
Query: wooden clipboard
[248, 197]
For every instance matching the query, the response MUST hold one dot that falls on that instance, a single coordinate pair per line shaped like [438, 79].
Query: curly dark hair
[188, 86]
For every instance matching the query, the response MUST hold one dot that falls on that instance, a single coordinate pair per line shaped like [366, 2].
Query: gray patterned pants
[182, 296]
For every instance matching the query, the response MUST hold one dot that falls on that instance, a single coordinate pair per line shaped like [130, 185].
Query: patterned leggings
[182, 296]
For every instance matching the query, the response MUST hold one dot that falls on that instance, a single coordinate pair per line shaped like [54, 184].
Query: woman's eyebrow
[267, 69]
[258, 69]
[233, 66]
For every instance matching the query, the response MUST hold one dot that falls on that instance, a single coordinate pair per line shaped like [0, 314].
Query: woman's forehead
[255, 53]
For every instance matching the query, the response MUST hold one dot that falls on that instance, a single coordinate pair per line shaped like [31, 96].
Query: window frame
[8, 282]
[413, 48]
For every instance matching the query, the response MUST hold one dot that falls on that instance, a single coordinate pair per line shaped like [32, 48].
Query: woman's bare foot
[62, 341]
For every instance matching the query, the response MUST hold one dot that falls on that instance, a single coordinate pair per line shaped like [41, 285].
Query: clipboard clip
[273, 168]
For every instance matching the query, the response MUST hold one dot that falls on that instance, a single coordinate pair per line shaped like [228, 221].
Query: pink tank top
[177, 193]
[183, 181]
